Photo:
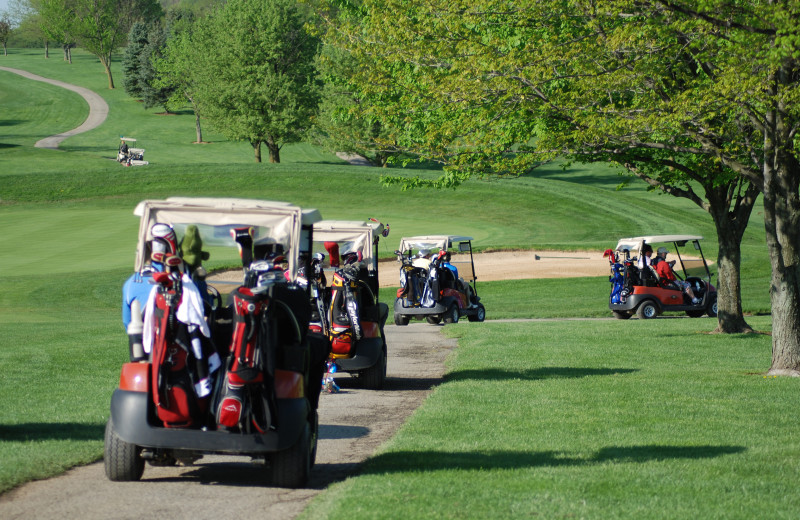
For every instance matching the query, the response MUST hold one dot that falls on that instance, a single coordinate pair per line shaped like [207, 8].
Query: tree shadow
[6, 145]
[12, 122]
[433, 461]
[26, 432]
[494, 374]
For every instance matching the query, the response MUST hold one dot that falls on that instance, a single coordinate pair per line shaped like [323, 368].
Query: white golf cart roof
[272, 222]
[131, 139]
[359, 235]
[636, 243]
[431, 242]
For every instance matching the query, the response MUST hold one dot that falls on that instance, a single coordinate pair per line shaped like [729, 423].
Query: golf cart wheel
[122, 461]
[478, 316]
[451, 316]
[433, 320]
[712, 309]
[647, 310]
[372, 378]
[621, 315]
[401, 320]
[695, 314]
[291, 468]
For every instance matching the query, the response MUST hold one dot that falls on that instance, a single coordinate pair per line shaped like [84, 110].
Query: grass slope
[554, 418]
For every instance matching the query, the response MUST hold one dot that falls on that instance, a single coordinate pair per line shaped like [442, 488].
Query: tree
[146, 44]
[177, 68]
[5, 31]
[256, 73]
[343, 124]
[496, 89]
[102, 26]
[705, 87]
[132, 60]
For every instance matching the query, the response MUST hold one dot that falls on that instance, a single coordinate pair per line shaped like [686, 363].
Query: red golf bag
[247, 397]
[174, 367]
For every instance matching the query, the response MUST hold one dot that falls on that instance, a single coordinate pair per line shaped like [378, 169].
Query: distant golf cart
[350, 313]
[644, 293]
[128, 155]
[431, 286]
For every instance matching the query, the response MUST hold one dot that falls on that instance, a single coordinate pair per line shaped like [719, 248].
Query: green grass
[591, 419]
[594, 418]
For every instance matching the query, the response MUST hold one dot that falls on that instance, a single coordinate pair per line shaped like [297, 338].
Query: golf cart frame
[135, 434]
[365, 356]
[644, 294]
[452, 300]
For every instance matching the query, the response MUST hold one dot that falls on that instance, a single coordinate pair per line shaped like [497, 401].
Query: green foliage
[255, 63]
[132, 60]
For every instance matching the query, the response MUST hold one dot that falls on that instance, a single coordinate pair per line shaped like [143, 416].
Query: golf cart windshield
[351, 236]
[455, 244]
[271, 222]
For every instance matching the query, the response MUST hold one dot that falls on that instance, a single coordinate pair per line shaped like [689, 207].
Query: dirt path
[353, 423]
[98, 109]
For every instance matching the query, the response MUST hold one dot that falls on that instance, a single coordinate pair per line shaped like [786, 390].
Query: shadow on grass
[539, 373]
[433, 460]
[26, 432]
[6, 145]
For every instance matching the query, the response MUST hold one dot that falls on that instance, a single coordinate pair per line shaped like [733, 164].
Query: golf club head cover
[243, 237]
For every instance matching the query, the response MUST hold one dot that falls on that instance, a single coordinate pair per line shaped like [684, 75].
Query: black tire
[480, 315]
[374, 377]
[291, 468]
[647, 310]
[433, 320]
[400, 320]
[712, 309]
[695, 314]
[621, 315]
[122, 460]
[451, 316]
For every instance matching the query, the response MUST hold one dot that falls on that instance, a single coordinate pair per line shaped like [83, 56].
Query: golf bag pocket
[176, 404]
[342, 342]
[229, 410]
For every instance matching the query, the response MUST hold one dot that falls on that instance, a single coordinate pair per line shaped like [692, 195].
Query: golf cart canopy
[431, 242]
[635, 244]
[351, 235]
[272, 222]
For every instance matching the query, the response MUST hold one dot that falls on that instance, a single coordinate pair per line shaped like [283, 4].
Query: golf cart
[643, 292]
[430, 285]
[128, 155]
[349, 311]
[263, 393]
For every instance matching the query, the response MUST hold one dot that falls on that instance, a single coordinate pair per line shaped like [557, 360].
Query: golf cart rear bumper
[437, 309]
[368, 351]
[129, 414]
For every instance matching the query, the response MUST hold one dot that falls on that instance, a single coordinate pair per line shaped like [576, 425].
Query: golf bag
[246, 399]
[180, 367]
[617, 280]
[345, 320]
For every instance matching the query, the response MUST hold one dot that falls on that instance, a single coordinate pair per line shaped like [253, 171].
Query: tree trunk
[274, 151]
[106, 61]
[730, 210]
[781, 209]
[257, 150]
[198, 131]
[46, 49]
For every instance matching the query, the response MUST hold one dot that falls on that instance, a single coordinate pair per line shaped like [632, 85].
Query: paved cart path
[353, 423]
[98, 109]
